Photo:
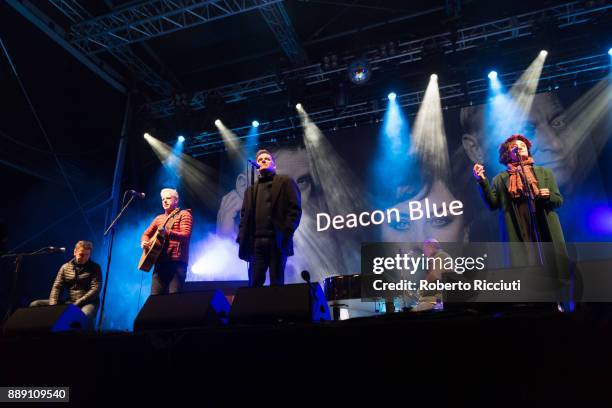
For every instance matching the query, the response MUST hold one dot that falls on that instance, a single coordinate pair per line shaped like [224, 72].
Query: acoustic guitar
[149, 256]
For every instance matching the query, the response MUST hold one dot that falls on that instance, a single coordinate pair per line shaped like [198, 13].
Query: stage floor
[523, 356]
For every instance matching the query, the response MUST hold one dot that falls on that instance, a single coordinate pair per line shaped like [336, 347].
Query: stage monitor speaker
[286, 303]
[45, 319]
[179, 310]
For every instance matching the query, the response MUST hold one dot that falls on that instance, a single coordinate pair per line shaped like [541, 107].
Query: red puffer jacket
[177, 243]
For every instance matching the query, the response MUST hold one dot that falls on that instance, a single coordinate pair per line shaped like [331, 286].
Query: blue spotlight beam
[392, 161]
[495, 84]
[250, 142]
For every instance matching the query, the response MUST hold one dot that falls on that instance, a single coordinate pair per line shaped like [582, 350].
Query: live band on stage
[526, 196]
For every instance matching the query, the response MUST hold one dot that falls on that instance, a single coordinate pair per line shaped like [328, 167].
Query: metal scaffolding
[150, 19]
[279, 22]
[114, 32]
[560, 74]
[500, 30]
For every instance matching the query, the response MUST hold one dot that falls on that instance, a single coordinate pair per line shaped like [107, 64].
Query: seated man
[82, 277]
[430, 299]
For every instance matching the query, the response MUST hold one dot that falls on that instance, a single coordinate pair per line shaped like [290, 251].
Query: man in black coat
[265, 234]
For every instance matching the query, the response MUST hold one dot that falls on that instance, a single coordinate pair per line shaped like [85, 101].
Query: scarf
[515, 186]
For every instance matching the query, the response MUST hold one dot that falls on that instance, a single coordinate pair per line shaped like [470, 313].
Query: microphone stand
[18, 260]
[306, 278]
[532, 210]
[314, 299]
[111, 229]
[251, 226]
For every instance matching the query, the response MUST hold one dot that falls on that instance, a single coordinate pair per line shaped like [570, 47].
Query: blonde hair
[84, 245]
[173, 192]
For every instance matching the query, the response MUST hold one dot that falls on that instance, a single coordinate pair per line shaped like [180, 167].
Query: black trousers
[266, 255]
[168, 277]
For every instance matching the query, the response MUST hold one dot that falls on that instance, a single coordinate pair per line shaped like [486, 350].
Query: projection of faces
[289, 161]
[445, 229]
[546, 127]
[294, 163]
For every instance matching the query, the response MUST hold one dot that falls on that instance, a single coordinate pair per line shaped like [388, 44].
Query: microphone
[52, 249]
[515, 150]
[313, 294]
[252, 163]
[136, 193]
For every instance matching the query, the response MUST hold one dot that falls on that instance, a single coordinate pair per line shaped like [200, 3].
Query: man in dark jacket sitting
[82, 277]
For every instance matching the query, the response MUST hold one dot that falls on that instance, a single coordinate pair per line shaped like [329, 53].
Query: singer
[526, 199]
[270, 215]
[81, 277]
[171, 265]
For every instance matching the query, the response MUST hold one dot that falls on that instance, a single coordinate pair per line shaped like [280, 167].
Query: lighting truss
[565, 73]
[501, 30]
[150, 19]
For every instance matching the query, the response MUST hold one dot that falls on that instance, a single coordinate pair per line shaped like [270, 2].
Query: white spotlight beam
[586, 126]
[198, 178]
[525, 88]
[428, 135]
[331, 173]
[230, 139]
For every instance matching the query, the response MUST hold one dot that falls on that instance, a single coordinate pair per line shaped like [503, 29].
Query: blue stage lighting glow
[181, 139]
[494, 83]
[600, 220]
[392, 159]
[255, 123]
[392, 96]
[610, 52]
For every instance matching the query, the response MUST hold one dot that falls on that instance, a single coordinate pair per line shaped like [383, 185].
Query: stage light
[543, 53]
[146, 135]
[392, 96]
[255, 123]
[610, 52]
[434, 77]
[181, 139]
[298, 106]
[218, 122]
[359, 71]
[492, 75]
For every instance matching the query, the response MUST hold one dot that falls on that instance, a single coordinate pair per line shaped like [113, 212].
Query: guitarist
[171, 266]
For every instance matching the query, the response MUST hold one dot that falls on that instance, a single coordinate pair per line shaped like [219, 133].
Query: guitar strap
[170, 221]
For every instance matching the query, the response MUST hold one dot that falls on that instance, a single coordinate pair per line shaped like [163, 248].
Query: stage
[520, 356]
[165, 159]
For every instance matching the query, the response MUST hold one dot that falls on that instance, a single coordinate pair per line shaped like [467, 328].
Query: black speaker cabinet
[286, 303]
[187, 309]
[45, 319]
